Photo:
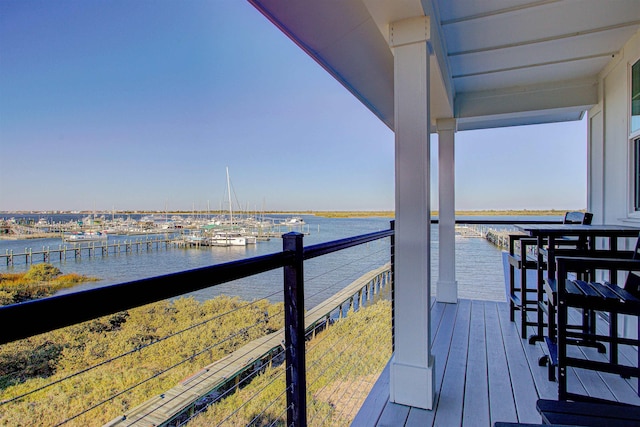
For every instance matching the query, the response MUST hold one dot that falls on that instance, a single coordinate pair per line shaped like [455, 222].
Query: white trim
[412, 385]
[632, 168]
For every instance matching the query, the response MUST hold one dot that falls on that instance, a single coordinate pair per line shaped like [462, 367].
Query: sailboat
[231, 237]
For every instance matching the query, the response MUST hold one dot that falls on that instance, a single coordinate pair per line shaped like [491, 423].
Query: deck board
[501, 402]
[440, 351]
[394, 415]
[496, 377]
[452, 391]
[476, 393]
[524, 391]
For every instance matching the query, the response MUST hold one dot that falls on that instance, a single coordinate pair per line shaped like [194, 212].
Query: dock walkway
[88, 249]
[182, 398]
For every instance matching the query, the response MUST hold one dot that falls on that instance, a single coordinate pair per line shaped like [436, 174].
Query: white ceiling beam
[538, 64]
[438, 44]
[496, 12]
[576, 94]
[547, 39]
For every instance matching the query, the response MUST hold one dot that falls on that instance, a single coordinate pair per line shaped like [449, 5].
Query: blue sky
[143, 104]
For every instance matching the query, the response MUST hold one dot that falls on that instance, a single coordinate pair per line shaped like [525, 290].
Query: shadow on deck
[486, 373]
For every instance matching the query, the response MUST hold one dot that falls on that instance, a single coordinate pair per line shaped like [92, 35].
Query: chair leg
[512, 287]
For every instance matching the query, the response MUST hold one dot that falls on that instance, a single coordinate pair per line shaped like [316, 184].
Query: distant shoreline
[326, 214]
[391, 214]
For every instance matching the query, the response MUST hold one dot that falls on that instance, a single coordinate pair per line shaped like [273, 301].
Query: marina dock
[89, 250]
[499, 238]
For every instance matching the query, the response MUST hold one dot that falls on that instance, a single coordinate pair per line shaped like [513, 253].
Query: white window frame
[634, 169]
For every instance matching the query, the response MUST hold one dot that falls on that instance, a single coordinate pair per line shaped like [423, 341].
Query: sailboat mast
[229, 190]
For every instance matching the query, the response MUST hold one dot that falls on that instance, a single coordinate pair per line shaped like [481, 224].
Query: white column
[412, 365]
[447, 289]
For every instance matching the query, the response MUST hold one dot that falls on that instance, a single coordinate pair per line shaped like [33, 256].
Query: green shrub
[42, 273]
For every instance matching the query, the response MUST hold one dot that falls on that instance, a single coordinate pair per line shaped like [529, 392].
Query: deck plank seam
[497, 366]
[451, 381]
[520, 374]
[476, 369]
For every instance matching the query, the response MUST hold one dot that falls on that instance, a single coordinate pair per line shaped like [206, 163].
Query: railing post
[294, 332]
[392, 226]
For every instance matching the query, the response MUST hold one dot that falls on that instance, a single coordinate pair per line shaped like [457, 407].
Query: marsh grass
[41, 280]
[343, 363]
[132, 350]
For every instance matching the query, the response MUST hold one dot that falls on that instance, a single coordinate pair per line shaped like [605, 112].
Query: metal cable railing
[71, 310]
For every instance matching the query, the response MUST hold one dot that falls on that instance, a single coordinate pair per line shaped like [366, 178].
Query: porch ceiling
[495, 63]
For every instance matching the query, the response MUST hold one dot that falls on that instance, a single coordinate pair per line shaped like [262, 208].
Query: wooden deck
[486, 373]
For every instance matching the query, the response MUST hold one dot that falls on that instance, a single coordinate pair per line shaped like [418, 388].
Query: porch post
[412, 365]
[447, 289]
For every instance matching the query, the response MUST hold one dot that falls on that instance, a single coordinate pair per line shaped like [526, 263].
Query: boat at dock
[293, 221]
[230, 238]
[85, 236]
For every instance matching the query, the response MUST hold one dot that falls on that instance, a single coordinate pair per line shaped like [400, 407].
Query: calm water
[478, 268]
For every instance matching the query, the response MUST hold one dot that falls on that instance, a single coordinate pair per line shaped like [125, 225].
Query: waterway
[479, 270]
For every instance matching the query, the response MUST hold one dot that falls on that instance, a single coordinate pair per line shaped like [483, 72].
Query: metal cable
[278, 397]
[339, 356]
[319, 358]
[223, 395]
[359, 364]
[341, 266]
[254, 395]
[139, 348]
[201, 380]
[280, 415]
[236, 387]
[242, 331]
[361, 271]
[339, 284]
[349, 359]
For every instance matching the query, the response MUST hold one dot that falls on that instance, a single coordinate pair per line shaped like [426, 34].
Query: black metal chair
[581, 243]
[593, 296]
[583, 272]
[576, 217]
[524, 298]
[588, 414]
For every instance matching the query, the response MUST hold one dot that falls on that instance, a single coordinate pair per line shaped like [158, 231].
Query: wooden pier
[89, 250]
[469, 231]
[499, 238]
[182, 399]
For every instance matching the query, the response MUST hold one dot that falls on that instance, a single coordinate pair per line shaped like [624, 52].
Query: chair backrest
[632, 284]
[636, 251]
[578, 218]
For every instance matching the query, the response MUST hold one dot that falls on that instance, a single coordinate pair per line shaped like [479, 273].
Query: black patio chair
[584, 270]
[524, 298]
[607, 298]
[588, 414]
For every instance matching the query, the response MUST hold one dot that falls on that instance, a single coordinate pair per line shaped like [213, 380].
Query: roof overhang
[495, 63]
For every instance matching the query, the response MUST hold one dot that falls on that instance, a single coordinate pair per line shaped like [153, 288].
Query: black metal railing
[35, 317]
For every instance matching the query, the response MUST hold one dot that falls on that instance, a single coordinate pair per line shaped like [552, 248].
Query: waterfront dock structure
[499, 238]
[91, 249]
[18, 229]
[182, 398]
